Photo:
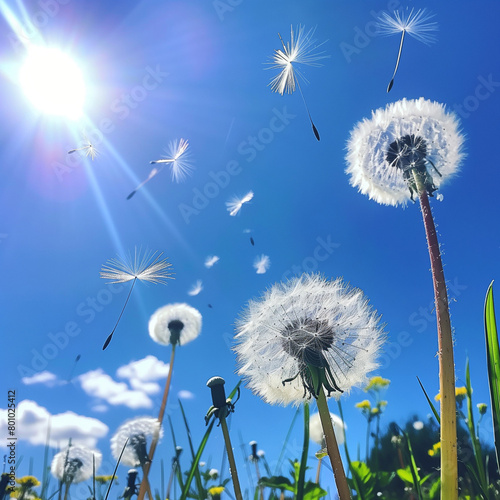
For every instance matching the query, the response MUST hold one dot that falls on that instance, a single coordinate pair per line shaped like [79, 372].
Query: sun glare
[53, 82]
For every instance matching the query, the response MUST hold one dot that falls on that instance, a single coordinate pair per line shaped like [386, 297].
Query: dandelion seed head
[196, 288]
[371, 141]
[307, 320]
[74, 464]
[416, 23]
[139, 432]
[146, 267]
[175, 323]
[302, 49]
[316, 429]
[234, 204]
[261, 264]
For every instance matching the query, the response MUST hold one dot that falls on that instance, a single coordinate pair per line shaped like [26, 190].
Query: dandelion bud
[216, 385]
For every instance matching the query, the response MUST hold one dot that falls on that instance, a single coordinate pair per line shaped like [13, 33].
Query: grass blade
[493, 361]
[433, 408]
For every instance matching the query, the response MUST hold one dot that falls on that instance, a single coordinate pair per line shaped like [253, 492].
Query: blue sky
[65, 216]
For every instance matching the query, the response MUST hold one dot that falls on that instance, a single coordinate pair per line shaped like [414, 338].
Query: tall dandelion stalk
[408, 149]
[173, 324]
[221, 408]
[309, 337]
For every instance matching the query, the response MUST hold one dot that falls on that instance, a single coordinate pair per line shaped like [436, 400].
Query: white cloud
[32, 422]
[185, 394]
[45, 377]
[144, 373]
[100, 385]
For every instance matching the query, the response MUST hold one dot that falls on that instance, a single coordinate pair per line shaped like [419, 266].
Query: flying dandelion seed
[261, 264]
[302, 49]
[234, 204]
[178, 160]
[252, 241]
[196, 288]
[211, 260]
[87, 148]
[415, 24]
[148, 267]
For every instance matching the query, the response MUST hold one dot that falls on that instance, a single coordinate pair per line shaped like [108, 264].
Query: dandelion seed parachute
[234, 204]
[148, 267]
[302, 49]
[416, 25]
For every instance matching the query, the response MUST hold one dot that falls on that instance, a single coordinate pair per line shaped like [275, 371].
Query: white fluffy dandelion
[261, 264]
[234, 204]
[132, 439]
[75, 464]
[306, 324]
[177, 158]
[211, 260]
[146, 267]
[302, 49]
[196, 288]
[316, 429]
[416, 24]
[405, 135]
[175, 324]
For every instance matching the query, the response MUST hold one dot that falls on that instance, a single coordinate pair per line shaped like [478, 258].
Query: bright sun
[53, 82]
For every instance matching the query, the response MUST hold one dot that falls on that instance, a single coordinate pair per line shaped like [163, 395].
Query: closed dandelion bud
[216, 385]
[253, 454]
[482, 407]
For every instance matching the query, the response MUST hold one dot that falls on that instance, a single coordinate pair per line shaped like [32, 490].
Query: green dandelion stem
[333, 448]
[449, 466]
[230, 458]
[303, 459]
[152, 449]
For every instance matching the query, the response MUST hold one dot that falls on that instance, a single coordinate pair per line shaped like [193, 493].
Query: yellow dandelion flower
[364, 405]
[215, 491]
[376, 383]
[28, 482]
[436, 448]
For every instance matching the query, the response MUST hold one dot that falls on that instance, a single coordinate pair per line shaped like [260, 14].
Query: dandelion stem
[230, 458]
[110, 336]
[318, 470]
[391, 83]
[303, 459]
[145, 481]
[333, 448]
[154, 442]
[449, 472]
